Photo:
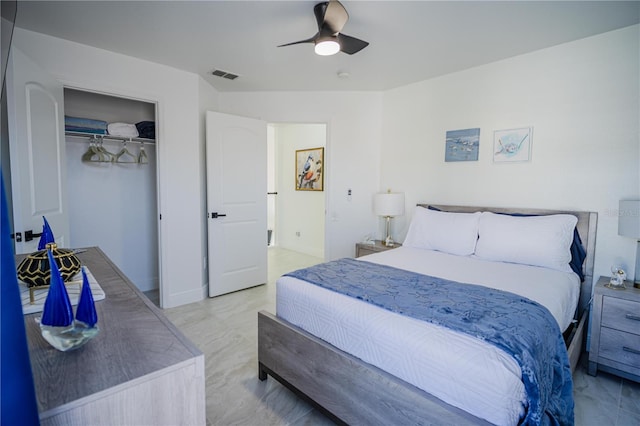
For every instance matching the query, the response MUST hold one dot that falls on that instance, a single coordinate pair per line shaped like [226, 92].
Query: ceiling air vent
[224, 74]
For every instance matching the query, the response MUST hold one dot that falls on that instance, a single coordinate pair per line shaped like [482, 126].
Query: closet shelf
[108, 137]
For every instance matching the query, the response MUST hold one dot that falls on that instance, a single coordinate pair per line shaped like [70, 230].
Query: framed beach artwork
[309, 173]
[512, 145]
[462, 145]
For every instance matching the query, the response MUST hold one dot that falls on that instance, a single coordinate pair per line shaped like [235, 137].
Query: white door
[236, 202]
[36, 143]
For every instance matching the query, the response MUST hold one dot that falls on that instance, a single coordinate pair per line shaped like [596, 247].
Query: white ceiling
[409, 40]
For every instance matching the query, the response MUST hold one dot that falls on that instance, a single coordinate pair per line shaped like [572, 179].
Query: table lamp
[629, 226]
[388, 204]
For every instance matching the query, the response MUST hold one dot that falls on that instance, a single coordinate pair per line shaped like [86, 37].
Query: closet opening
[112, 183]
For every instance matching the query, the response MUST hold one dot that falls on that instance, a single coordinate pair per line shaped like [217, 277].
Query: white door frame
[327, 173]
[94, 87]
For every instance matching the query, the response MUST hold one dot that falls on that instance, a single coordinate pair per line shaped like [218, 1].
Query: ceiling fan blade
[309, 40]
[351, 45]
[319, 10]
[335, 16]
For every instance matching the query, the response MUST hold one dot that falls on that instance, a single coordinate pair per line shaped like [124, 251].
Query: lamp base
[388, 241]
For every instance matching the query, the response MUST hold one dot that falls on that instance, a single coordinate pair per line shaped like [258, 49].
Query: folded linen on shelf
[83, 123]
[85, 130]
[147, 129]
[123, 129]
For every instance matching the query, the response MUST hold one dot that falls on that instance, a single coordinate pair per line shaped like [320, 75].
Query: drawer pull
[633, 351]
[632, 317]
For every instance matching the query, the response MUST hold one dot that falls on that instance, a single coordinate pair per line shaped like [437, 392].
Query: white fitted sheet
[459, 369]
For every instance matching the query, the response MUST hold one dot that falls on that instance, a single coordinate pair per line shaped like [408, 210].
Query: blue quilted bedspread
[522, 328]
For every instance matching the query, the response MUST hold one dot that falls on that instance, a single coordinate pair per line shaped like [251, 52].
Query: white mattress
[460, 370]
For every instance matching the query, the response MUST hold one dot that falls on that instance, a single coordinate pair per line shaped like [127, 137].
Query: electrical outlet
[297, 233]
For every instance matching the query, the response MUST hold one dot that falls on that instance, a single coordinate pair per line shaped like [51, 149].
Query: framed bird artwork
[309, 173]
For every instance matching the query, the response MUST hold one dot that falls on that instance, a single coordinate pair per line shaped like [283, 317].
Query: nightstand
[363, 249]
[615, 331]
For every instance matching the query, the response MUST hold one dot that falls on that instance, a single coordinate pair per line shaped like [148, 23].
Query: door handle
[29, 235]
[216, 215]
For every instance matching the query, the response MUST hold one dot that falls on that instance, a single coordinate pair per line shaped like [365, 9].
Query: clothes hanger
[108, 156]
[142, 155]
[125, 156]
[93, 155]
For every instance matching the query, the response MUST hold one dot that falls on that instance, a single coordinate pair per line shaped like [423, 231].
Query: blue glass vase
[47, 235]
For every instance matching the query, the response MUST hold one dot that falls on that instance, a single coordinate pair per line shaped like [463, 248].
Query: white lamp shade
[389, 204]
[629, 218]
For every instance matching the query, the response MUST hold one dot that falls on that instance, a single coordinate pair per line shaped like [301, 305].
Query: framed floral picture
[512, 145]
[309, 173]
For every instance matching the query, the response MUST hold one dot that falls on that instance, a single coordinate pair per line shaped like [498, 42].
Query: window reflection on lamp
[629, 226]
[388, 204]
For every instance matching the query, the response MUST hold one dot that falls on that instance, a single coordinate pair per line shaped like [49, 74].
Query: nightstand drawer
[621, 314]
[620, 346]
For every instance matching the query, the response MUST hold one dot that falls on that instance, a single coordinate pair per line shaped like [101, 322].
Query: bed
[350, 359]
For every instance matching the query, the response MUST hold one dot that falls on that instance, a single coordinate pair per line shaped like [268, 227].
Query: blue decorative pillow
[578, 254]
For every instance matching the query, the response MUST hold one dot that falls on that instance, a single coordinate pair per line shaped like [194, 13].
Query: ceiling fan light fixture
[331, 16]
[327, 47]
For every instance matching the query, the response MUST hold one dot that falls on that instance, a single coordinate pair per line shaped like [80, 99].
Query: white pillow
[531, 240]
[454, 233]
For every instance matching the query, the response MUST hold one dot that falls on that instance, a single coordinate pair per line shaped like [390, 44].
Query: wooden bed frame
[350, 391]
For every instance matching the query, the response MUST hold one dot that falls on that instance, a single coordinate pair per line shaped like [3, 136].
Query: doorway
[113, 201]
[295, 219]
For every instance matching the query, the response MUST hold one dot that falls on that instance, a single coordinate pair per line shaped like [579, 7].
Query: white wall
[300, 217]
[581, 99]
[352, 155]
[78, 103]
[179, 143]
[208, 101]
[113, 206]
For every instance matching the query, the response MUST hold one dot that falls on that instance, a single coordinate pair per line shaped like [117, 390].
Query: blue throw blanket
[522, 328]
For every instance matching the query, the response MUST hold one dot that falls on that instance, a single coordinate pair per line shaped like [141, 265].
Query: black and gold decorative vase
[34, 269]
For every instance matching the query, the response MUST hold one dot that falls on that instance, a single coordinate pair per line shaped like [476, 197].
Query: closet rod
[109, 137]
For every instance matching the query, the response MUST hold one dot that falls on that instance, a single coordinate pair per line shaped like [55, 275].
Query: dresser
[363, 249]
[139, 369]
[615, 331]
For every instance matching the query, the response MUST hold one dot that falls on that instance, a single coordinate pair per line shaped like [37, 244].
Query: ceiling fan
[331, 17]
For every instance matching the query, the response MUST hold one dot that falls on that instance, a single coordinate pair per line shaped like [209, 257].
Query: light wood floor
[225, 329]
